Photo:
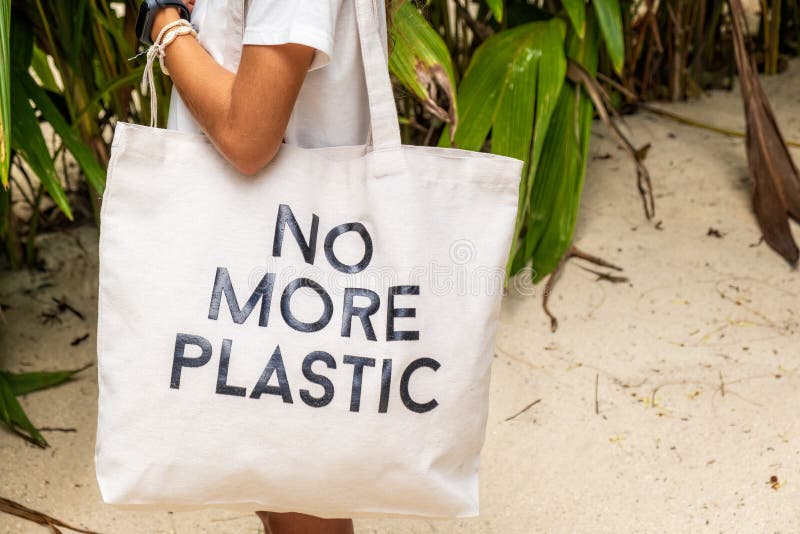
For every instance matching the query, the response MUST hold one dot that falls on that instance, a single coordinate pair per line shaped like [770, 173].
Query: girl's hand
[189, 5]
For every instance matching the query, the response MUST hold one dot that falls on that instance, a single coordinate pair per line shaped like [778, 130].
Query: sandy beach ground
[695, 425]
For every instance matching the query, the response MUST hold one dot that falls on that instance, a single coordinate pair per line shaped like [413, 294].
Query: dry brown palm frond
[774, 181]
[14, 508]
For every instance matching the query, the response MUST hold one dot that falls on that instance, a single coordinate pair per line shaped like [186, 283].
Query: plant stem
[705, 126]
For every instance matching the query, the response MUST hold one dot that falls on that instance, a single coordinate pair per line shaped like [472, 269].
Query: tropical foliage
[13, 385]
[66, 64]
[525, 78]
[495, 76]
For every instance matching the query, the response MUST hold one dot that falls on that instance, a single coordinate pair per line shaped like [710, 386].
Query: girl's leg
[292, 523]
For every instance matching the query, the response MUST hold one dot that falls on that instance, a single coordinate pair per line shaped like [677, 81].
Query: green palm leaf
[44, 73]
[5, 91]
[95, 174]
[421, 62]
[576, 11]
[496, 6]
[13, 416]
[29, 142]
[511, 88]
[559, 176]
[610, 21]
[24, 383]
[13, 385]
[512, 83]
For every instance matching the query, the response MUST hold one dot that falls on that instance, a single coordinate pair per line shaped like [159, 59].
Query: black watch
[147, 12]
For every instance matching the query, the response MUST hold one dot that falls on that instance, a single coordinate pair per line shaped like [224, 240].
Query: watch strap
[182, 9]
[147, 13]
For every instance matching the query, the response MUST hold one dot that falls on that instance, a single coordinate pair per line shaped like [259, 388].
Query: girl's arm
[244, 114]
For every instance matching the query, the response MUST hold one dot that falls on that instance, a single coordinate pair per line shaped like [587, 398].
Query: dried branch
[602, 104]
[574, 252]
[14, 508]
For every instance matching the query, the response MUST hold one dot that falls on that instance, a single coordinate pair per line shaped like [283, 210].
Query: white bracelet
[169, 26]
[166, 36]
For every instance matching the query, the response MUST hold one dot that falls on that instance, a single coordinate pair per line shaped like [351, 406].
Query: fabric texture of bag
[317, 338]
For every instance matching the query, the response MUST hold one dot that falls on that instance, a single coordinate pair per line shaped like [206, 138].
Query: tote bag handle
[387, 157]
[384, 126]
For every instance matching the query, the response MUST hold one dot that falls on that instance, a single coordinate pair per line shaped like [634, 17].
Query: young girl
[260, 72]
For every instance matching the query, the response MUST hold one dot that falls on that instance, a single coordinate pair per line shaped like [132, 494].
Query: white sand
[698, 312]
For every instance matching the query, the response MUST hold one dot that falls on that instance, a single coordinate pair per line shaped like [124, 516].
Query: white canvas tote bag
[317, 338]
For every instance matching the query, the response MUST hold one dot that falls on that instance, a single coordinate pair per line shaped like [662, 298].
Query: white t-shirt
[331, 109]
